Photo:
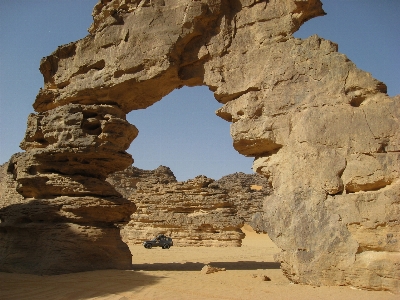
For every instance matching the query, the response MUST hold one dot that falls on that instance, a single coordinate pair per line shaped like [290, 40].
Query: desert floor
[176, 274]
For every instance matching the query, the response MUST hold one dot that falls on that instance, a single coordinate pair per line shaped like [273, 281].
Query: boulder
[208, 269]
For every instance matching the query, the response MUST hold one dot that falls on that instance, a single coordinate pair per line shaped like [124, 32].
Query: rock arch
[323, 131]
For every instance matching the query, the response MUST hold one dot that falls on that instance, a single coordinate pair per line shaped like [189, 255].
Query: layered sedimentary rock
[67, 217]
[197, 212]
[246, 191]
[125, 181]
[8, 188]
[324, 132]
[190, 212]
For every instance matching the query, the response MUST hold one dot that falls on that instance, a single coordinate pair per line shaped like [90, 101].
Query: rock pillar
[67, 218]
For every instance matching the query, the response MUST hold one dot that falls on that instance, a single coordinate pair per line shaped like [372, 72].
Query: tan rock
[208, 269]
[261, 277]
[41, 236]
[197, 212]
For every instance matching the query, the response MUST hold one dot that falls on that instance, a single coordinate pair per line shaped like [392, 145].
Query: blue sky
[181, 131]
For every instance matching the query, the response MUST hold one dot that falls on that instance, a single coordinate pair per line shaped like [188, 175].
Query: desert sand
[176, 274]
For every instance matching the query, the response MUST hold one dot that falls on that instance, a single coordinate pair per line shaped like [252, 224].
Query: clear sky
[181, 131]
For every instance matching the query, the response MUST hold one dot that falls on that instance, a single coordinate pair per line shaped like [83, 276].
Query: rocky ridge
[325, 133]
[198, 212]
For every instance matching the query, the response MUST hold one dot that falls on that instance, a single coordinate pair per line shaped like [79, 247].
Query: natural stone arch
[291, 103]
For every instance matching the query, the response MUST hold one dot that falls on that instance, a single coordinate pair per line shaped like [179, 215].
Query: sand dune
[176, 274]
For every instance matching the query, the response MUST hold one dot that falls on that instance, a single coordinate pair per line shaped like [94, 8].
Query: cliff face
[197, 212]
[324, 132]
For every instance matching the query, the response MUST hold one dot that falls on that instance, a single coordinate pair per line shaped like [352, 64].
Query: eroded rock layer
[324, 132]
[60, 234]
[197, 212]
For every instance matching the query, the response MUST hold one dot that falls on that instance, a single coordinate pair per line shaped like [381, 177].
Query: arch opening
[182, 132]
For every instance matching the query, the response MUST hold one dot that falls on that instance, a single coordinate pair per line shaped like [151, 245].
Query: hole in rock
[91, 126]
[356, 101]
[183, 133]
[89, 114]
[32, 170]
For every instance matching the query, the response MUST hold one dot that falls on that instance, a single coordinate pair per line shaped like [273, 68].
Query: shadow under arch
[40, 236]
[197, 266]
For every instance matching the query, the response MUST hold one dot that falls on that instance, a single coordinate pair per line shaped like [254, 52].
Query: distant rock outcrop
[125, 182]
[200, 211]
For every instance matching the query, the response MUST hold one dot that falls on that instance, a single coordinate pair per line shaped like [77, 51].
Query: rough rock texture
[208, 269]
[69, 212]
[246, 191]
[324, 132]
[197, 212]
[8, 188]
[125, 182]
[60, 234]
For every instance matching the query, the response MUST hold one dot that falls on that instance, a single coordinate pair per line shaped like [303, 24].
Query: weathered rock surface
[246, 191]
[125, 182]
[208, 269]
[197, 212]
[324, 132]
[43, 236]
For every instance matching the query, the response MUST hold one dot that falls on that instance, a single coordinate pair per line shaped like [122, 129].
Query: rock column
[68, 218]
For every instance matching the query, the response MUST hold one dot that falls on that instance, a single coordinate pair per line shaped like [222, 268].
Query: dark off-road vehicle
[160, 241]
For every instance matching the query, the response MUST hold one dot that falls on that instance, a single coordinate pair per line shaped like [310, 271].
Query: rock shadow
[39, 237]
[197, 266]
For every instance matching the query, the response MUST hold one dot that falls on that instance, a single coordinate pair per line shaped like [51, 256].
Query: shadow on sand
[85, 285]
[190, 266]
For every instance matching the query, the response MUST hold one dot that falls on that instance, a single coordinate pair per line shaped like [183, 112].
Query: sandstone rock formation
[324, 132]
[125, 181]
[197, 212]
[247, 192]
[60, 234]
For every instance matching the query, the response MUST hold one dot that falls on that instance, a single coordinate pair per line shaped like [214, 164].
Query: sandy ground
[176, 274]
